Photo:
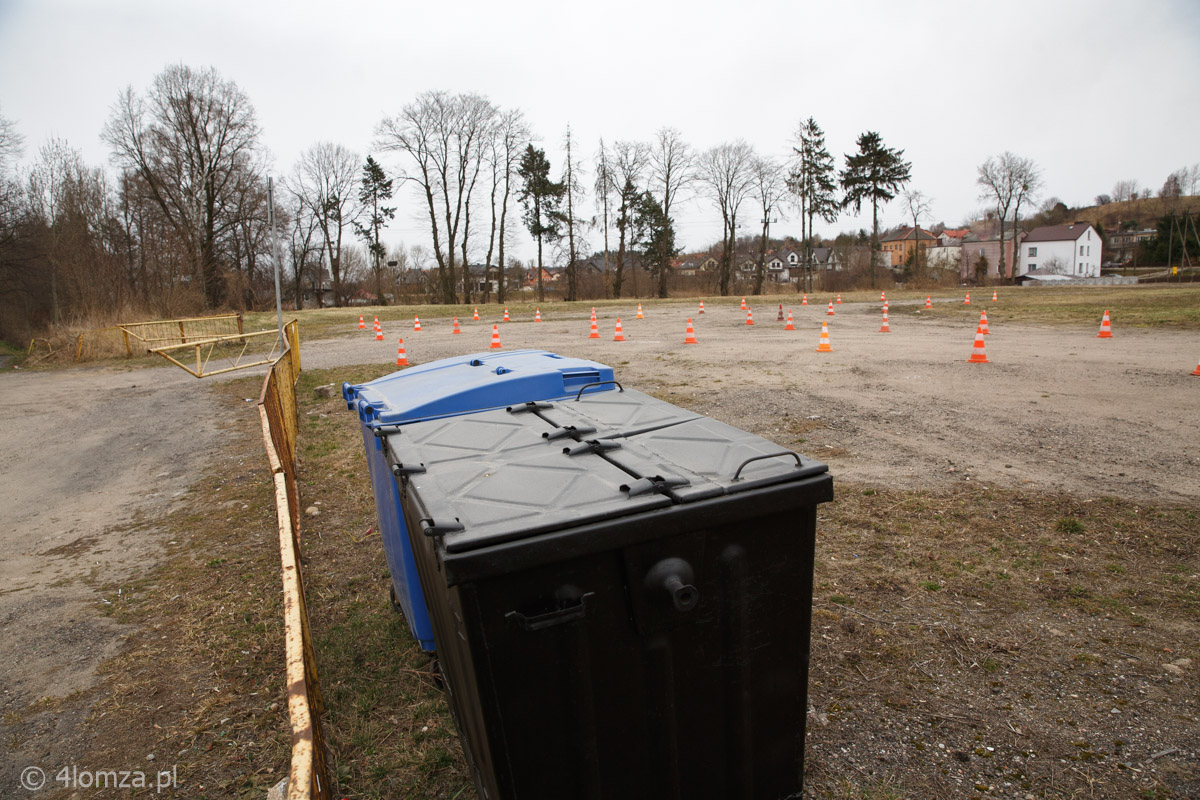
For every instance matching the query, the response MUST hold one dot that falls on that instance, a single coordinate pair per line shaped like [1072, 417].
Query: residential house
[952, 238]
[900, 245]
[975, 247]
[1072, 250]
[1122, 246]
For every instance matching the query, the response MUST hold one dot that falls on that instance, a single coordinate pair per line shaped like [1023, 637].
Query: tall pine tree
[541, 198]
[374, 191]
[875, 173]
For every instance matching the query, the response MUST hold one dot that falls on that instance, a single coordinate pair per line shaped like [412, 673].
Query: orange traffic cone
[506, 319]
[1105, 327]
[639, 314]
[495, 345]
[537, 317]
[378, 333]
[416, 323]
[789, 326]
[967, 299]
[885, 306]
[475, 318]
[377, 323]
[749, 317]
[456, 330]
[978, 356]
[701, 306]
[362, 324]
[839, 299]
[618, 336]
[401, 359]
[983, 326]
[690, 337]
[994, 297]
[823, 345]
[883, 297]
[928, 302]
[743, 304]
[884, 327]
[1196, 371]
[830, 312]
[804, 302]
[595, 334]
[780, 317]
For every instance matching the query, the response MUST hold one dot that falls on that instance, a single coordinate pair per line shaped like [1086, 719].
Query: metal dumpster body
[621, 593]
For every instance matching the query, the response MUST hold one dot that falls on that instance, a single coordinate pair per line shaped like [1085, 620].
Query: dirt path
[1057, 408]
[85, 454]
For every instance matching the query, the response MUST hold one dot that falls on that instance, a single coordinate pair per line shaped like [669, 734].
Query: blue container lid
[470, 383]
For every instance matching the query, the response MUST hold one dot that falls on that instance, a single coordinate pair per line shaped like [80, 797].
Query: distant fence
[141, 336]
[308, 778]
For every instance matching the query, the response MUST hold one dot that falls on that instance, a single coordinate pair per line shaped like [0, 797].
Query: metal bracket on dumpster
[532, 406]
[432, 528]
[386, 430]
[400, 470]
[572, 431]
[587, 386]
[551, 618]
[592, 446]
[656, 484]
[772, 455]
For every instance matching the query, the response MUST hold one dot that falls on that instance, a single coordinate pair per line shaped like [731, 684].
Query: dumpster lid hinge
[572, 431]
[385, 430]
[657, 483]
[592, 446]
[530, 406]
[400, 470]
[432, 528]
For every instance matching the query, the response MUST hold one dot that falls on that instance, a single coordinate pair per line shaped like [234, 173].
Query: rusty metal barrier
[308, 778]
[141, 336]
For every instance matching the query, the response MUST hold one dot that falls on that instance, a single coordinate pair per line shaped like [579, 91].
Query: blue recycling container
[445, 388]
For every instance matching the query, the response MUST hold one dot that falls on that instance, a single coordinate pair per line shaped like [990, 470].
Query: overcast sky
[1094, 92]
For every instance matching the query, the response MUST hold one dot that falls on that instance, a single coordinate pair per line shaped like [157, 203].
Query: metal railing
[309, 774]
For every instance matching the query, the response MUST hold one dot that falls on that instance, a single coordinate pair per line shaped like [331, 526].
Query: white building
[1072, 250]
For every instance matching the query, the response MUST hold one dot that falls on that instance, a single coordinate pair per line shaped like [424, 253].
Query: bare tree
[628, 168]
[304, 243]
[507, 143]
[443, 136]
[1008, 180]
[726, 173]
[604, 189]
[572, 194]
[1027, 185]
[193, 138]
[1193, 179]
[769, 188]
[327, 177]
[1124, 191]
[672, 171]
[919, 207]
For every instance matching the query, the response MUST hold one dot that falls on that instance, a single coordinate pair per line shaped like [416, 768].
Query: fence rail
[308, 778]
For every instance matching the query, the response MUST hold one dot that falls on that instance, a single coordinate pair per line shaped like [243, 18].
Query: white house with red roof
[1073, 250]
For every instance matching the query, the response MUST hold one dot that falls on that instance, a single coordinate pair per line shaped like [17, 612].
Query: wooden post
[128, 350]
[79, 348]
[182, 335]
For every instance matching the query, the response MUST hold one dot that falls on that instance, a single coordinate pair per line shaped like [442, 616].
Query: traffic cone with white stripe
[639, 314]
[743, 304]
[789, 326]
[595, 334]
[701, 306]
[456, 330]
[967, 299]
[1196, 371]
[780, 317]
[884, 327]
[804, 301]
[376, 325]
[983, 326]
[994, 296]
[618, 336]
[401, 359]
[475, 318]
[823, 345]
[506, 319]
[830, 312]
[883, 297]
[378, 332]
[749, 317]
[416, 323]
[690, 337]
[1105, 327]
[362, 324]
[978, 355]
[928, 301]
[537, 316]
[495, 345]
[839, 298]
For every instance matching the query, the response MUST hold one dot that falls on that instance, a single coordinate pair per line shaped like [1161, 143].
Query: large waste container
[439, 389]
[621, 591]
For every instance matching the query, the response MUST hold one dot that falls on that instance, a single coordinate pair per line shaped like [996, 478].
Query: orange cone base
[495, 345]
[978, 355]
[690, 337]
[618, 336]
[1196, 371]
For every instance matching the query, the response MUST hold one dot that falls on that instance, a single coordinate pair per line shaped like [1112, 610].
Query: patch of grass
[1068, 525]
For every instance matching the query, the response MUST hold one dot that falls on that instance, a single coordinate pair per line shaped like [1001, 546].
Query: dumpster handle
[552, 618]
[587, 386]
[530, 406]
[772, 455]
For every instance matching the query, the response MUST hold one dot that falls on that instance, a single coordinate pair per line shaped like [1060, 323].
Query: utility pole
[275, 258]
